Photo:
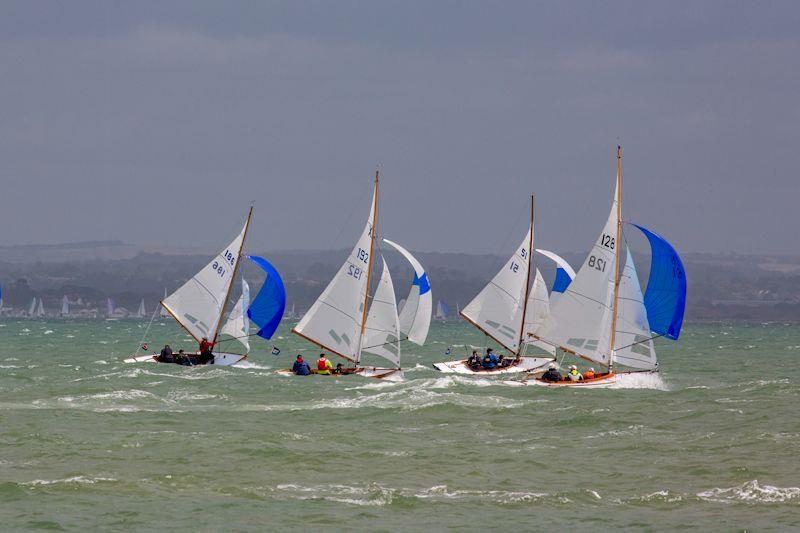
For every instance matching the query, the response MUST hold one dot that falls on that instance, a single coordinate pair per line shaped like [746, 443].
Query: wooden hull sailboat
[349, 320]
[603, 317]
[506, 310]
[199, 306]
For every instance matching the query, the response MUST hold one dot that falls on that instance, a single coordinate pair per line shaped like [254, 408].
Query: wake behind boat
[199, 305]
[343, 322]
[603, 317]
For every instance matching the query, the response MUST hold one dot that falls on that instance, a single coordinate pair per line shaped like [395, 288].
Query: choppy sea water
[87, 442]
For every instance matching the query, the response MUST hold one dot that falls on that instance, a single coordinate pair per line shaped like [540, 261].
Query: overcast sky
[159, 122]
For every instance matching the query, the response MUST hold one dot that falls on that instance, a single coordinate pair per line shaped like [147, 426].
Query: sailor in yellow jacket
[324, 366]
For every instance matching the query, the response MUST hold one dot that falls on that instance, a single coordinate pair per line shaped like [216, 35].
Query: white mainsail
[415, 313]
[497, 309]
[40, 309]
[382, 329]
[32, 307]
[198, 304]
[633, 341]
[334, 320]
[64, 306]
[582, 320]
[537, 310]
[237, 325]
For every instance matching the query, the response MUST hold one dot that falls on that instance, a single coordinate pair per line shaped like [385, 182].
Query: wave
[751, 492]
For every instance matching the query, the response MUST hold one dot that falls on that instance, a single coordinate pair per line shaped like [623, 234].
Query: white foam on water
[81, 480]
[639, 380]
[751, 492]
[635, 429]
[48, 332]
[249, 364]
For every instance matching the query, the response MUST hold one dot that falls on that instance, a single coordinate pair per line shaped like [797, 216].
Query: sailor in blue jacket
[300, 367]
[489, 360]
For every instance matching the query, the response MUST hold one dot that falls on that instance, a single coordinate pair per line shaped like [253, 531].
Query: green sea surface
[88, 443]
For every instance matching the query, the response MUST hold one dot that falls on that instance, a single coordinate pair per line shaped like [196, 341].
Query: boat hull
[604, 381]
[531, 365]
[389, 374]
[220, 359]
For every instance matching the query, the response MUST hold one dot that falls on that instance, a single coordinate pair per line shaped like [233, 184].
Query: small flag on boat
[448, 351]
[276, 350]
[144, 346]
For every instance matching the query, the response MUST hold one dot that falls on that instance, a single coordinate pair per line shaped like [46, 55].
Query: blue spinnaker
[562, 280]
[665, 297]
[267, 307]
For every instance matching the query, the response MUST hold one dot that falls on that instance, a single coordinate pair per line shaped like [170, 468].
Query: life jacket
[574, 375]
[588, 375]
[322, 366]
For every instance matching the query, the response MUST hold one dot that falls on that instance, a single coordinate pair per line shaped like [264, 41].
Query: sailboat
[199, 305]
[40, 309]
[441, 311]
[343, 322]
[603, 317]
[32, 308]
[141, 313]
[65, 306]
[506, 310]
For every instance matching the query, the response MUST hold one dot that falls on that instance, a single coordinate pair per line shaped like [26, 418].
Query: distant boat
[603, 317]
[199, 306]
[64, 306]
[442, 310]
[506, 310]
[32, 307]
[343, 322]
[110, 307]
[141, 313]
[40, 309]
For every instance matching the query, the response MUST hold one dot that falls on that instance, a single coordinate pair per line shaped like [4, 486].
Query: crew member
[489, 360]
[589, 374]
[300, 367]
[206, 356]
[551, 374]
[573, 373]
[166, 355]
[324, 366]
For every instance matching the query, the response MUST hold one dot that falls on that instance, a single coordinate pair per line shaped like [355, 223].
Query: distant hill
[721, 286]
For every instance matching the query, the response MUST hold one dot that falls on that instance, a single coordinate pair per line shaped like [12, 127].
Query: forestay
[415, 313]
[268, 306]
[580, 321]
[237, 325]
[382, 329]
[665, 297]
[198, 304]
[334, 321]
[497, 309]
[633, 341]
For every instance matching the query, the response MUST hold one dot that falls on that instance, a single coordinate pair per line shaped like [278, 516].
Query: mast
[233, 277]
[527, 282]
[616, 261]
[373, 233]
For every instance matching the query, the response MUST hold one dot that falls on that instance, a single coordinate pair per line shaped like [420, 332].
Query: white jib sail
[537, 310]
[497, 309]
[198, 303]
[40, 308]
[141, 312]
[415, 314]
[163, 313]
[334, 321]
[382, 331]
[237, 325]
[32, 307]
[580, 321]
[560, 263]
[633, 341]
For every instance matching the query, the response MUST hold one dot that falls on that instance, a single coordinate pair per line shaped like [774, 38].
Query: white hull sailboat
[349, 320]
[604, 318]
[506, 310]
[199, 306]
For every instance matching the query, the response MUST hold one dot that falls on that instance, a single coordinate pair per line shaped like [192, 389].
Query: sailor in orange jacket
[324, 366]
[589, 374]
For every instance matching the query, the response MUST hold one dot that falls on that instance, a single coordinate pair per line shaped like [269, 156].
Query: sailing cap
[551, 365]
[591, 369]
[573, 366]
